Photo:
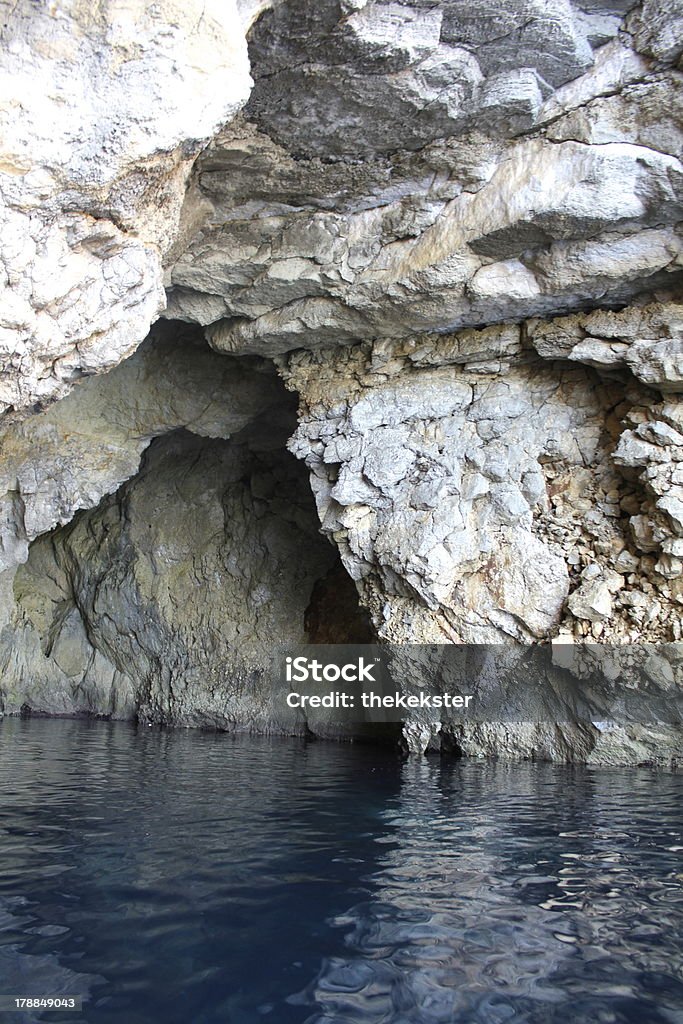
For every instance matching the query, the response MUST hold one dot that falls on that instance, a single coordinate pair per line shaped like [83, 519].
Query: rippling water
[192, 877]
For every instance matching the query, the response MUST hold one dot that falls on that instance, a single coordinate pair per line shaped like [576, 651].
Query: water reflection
[195, 877]
[518, 892]
[181, 876]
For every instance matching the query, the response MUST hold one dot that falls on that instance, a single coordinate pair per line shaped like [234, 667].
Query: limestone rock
[430, 482]
[659, 29]
[457, 230]
[316, 278]
[424, 72]
[467, 494]
[113, 107]
[653, 447]
[527, 709]
[648, 340]
[465, 197]
[78, 296]
[165, 602]
[593, 599]
[68, 457]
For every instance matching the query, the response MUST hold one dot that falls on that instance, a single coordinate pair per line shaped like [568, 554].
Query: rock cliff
[290, 287]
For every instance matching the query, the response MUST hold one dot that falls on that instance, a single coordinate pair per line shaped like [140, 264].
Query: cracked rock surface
[102, 112]
[455, 228]
[514, 164]
[467, 502]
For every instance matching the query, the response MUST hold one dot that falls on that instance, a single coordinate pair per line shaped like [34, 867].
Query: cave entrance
[334, 615]
[166, 599]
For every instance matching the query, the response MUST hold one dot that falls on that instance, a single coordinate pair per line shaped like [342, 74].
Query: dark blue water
[191, 877]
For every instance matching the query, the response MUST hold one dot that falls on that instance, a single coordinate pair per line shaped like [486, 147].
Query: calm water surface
[197, 878]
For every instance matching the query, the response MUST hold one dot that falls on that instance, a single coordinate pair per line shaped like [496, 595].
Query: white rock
[591, 601]
[104, 103]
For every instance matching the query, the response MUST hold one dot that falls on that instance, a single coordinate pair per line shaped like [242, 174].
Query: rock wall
[166, 601]
[479, 493]
[403, 168]
[67, 457]
[103, 112]
[454, 227]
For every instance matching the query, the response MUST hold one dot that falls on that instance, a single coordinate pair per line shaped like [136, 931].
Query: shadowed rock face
[85, 446]
[334, 616]
[455, 228]
[165, 602]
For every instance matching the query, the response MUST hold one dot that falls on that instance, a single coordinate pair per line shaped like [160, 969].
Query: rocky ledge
[418, 372]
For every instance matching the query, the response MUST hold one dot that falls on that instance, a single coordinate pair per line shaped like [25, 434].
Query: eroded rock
[68, 457]
[102, 114]
[429, 481]
[166, 601]
[457, 230]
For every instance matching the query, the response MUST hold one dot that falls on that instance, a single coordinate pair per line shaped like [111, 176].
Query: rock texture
[85, 446]
[504, 172]
[165, 601]
[102, 113]
[456, 229]
[589, 702]
[112, 615]
[470, 486]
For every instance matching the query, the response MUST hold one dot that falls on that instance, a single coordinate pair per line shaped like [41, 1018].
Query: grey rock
[92, 175]
[456, 228]
[657, 362]
[469, 562]
[592, 601]
[165, 602]
[418, 67]
[648, 340]
[68, 457]
[626, 562]
[659, 29]
[442, 235]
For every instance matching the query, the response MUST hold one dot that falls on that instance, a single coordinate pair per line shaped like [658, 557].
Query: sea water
[199, 878]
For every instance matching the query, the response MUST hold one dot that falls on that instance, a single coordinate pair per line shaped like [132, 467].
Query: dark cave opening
[334, 615]
[164, 601]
